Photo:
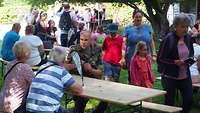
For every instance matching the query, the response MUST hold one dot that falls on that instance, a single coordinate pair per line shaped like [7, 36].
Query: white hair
[58, 54]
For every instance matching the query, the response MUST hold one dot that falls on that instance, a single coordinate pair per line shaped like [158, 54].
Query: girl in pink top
[98, 36]
[17, 81]
[141, 68]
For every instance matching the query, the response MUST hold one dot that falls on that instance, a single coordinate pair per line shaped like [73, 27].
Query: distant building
[178, 8]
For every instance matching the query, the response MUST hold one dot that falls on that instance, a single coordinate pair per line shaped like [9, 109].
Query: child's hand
[122, 62]
[153, 58]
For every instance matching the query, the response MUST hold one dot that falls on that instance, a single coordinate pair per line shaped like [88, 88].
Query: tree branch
[134, 6]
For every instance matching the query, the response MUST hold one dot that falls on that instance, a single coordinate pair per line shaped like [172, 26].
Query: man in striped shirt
[49, 85]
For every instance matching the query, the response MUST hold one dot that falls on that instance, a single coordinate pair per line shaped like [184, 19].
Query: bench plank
[159, 107]
[196, 85]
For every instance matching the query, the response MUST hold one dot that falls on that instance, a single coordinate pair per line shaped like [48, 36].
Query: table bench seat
[196, 85]
[158, 107]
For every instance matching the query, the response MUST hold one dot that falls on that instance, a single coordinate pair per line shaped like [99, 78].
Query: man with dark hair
[89, 57]
[8, 42]
[67, 24]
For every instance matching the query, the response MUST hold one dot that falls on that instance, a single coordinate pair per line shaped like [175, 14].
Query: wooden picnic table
[116, 92]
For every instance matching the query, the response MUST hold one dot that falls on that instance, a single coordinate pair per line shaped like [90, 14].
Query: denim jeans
[184, 86]
[64, 40]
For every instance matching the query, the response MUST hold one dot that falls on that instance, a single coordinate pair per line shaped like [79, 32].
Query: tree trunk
[158, 17]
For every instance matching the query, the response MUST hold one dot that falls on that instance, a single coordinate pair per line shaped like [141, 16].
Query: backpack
[65, 22]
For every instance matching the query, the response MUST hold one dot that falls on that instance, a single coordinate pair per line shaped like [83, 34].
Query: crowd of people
[26, 92]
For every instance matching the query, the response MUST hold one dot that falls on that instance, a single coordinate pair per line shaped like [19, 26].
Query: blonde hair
[21, 50]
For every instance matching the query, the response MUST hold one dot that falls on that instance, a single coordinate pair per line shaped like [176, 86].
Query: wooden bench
[158, 107]
[4, 62]
[196, 85]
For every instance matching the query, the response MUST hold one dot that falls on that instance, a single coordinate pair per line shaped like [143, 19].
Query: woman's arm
[153, 48]
[41, 49]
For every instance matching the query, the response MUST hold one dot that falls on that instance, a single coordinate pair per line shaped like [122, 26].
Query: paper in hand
[190, 60]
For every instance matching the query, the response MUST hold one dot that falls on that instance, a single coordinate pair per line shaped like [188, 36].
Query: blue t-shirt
[47, 89]
[8, 42]
[136, 34]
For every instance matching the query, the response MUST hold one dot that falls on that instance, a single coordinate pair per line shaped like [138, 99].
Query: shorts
[111, 70]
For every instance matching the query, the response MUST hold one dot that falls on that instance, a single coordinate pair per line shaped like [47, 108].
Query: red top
[141, 72]
[112, 48]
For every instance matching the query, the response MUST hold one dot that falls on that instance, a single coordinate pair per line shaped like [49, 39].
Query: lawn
[123, 79]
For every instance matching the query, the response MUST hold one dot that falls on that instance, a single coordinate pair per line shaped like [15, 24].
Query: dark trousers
[80, 103]
[60, 110]
[185, 87]
[65, 42]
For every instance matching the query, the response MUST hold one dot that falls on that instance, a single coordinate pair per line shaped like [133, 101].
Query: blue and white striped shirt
[47, 89]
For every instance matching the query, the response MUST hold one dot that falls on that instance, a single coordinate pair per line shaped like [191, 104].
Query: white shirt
[35, 42]
[193, 68]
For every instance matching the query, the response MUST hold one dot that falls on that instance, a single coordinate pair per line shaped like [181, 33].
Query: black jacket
[168, 53]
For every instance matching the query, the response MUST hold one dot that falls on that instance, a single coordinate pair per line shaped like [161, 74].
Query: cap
[112, 28]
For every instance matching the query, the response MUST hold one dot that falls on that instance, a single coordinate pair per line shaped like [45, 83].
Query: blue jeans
[185, 87]
[111, 70]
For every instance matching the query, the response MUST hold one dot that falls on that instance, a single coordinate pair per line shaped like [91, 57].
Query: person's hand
[122, 62]
[96, 73]
[179, 62]
[69, 66]
[153, 57]
[87, 67]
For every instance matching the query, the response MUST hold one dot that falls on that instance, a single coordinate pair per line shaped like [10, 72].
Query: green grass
[124, 79]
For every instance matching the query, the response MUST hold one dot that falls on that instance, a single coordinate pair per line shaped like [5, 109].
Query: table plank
[196, 85]
[116, 92]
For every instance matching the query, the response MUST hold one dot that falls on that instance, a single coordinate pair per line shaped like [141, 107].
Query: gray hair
[181, 19]
[58, 54]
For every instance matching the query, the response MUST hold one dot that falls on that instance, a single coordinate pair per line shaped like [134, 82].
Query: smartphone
[190, 60]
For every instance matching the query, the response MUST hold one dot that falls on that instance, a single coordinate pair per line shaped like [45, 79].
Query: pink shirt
[183, 54]
[15, 86]
[141, 72]
[98, 38]
[112, 48]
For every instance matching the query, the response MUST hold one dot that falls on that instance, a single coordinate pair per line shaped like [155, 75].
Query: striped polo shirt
[47, 89]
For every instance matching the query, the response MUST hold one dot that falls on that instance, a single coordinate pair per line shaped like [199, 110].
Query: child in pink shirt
[141, 68]
[98, 36]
